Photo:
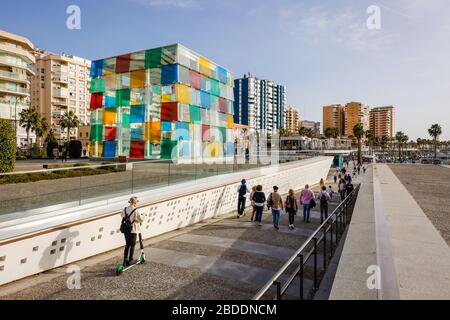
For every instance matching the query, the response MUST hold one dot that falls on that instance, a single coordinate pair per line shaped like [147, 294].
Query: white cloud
[346, 27]
[169, 3]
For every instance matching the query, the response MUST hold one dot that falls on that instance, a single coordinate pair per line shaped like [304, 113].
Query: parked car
[426, 161]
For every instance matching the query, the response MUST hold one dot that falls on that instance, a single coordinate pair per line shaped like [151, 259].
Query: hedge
[7, 146]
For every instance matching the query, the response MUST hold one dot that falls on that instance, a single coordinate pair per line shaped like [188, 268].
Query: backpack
[323, 198]
[242, 190]
[287, 204]
[126, 226]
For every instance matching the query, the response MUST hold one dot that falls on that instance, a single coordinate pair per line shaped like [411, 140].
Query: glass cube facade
[162, 103]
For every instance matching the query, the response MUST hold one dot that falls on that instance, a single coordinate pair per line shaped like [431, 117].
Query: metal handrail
[324, 227]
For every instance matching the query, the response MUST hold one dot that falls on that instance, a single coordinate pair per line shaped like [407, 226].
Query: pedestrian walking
[253, 203]
[335, 179]
[306, 200]
[349, 188]
[291, 207]
[342, 189]
[260, 199]
[242, 194]
[359, 170]
[323, 198]
[276, 203]
[130, 227]
[55, 153]
[364, 170]
[330, 192]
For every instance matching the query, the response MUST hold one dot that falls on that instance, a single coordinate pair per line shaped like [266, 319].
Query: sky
[321, 50]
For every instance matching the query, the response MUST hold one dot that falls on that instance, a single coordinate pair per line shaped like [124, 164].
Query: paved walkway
[390, 230]
[218, 259]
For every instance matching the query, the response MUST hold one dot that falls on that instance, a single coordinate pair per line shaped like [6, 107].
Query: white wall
[25, 256]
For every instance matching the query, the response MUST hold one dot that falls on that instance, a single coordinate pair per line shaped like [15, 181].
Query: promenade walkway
[390, 231]
[225, 258]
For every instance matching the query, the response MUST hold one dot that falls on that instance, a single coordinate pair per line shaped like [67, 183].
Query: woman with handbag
[131, 227]
[291, 207]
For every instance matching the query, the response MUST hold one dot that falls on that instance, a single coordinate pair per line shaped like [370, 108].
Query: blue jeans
[259, 212]
[276, 216]
[306, 212]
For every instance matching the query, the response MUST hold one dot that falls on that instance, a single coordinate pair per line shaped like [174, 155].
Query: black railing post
[315, 263]
[331, 239]
[278, 284]
[324, 248]
[301, 276]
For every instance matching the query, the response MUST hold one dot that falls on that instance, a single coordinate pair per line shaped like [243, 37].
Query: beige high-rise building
[291, 120]
[334, 117]
[16, 68]
[382, 121]
[356, 112]
[61, 84]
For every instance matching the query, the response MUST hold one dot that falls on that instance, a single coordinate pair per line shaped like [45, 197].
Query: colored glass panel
[195, 114]
[194, 79]
[153, 132]
[168, 147]
[215, 89]
[183, 113]
[110, 133]
[96, 101]
[96, 68]
[137, 149]
[123, 97]
[230, 121]
[183, 94]
[137, 134]
[109, 116]
[169, 111]
[205, 66]
[137, 114]
[223, 105]
[153, 58]
[137, 79]
[169, 74]
[109, 149]
[123, 63]
[125, 120]
[182, 131]
[97, 132]
[205, 100]
[222, 74]
[97, 85]
[230, 148]
[206, 133]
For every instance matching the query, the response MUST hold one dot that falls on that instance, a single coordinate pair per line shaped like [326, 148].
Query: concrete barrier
[49, 242]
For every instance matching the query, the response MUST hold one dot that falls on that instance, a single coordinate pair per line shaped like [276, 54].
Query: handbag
[312, 204]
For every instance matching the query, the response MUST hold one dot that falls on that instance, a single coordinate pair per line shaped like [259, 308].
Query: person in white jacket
[135, 217]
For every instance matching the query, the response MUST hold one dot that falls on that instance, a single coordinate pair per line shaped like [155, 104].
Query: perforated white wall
[63, 245]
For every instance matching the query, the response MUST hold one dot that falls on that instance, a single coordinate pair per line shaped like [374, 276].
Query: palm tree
[29, 120]
[384, 142]
[41, 129]
[358, 132]
[435, 131]
[401, 139]
[370, 138]
[69, 120]
[331, 132]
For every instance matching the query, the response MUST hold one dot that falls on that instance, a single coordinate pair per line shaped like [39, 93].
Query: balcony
[60, 93]
[59, 102]
[16, 90]
[61, 78]
[59, 68]
[14, 76]
[16, 63]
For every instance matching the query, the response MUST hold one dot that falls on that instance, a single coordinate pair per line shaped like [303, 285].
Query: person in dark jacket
[242, 197]
[259, 198]
[291, 207]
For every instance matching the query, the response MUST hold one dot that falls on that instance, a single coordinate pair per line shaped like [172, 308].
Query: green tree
[41, 129]
[7, 146]
[358, 132]
[68, 121]
[331, 133]
[384, 142]
[401, 139]
[435, 131]
[369, 139]
[29, 120]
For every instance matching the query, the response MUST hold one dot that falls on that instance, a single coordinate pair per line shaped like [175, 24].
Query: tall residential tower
[356, 112]
[334, 117]
[382, 122]
[260, 104]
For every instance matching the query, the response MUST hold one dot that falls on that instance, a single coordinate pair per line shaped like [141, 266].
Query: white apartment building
[61, 84]
[16, 70]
